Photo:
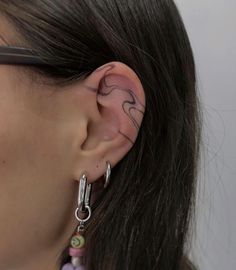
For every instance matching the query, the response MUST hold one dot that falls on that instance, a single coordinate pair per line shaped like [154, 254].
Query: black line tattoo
[130, 106]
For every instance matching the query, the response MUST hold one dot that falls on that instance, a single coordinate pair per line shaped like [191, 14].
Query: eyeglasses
[19, 56]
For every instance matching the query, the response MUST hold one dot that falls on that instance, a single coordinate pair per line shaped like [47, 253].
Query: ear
[114, 118]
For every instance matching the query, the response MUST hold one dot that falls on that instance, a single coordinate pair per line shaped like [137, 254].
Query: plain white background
[211, 26]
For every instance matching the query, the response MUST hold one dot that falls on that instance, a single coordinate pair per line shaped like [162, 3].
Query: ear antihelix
[120, 92]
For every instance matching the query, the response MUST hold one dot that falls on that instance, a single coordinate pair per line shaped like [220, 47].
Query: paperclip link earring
[77, 248]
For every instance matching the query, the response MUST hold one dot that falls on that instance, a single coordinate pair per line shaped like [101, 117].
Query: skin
[48, 138]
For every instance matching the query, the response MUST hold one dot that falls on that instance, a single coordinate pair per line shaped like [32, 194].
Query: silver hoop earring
[107, 174]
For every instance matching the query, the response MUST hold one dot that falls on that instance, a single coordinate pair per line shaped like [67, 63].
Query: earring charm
[78, 243]
[77, 248]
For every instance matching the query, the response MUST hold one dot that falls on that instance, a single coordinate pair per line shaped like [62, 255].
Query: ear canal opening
[88, 132]
[100, 108]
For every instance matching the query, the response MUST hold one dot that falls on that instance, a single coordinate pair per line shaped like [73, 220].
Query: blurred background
[211, 26]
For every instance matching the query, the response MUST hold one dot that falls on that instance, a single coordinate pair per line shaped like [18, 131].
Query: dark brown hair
[142, 220]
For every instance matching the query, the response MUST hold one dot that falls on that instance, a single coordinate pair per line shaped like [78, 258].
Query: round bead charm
[77, 252]
[77, 241]
[69, 266]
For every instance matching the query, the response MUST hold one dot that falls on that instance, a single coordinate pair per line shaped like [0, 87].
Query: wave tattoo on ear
[131, 105]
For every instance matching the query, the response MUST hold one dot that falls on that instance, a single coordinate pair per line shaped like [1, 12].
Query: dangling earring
[77, 248]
